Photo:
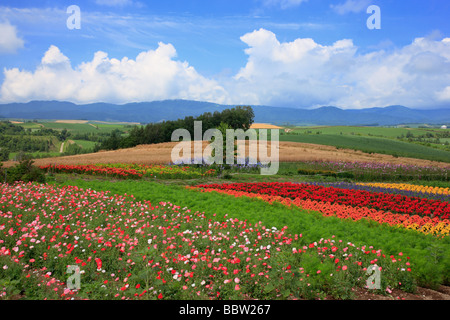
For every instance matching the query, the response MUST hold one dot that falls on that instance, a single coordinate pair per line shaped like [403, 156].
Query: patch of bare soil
[443, 293]
[72, 121]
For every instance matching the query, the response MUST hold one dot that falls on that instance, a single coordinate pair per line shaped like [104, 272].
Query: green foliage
[43, 140]
[72, 149]
[311, 172]
[4, 154]
[236, 118]
[326, 173]
[63, 135]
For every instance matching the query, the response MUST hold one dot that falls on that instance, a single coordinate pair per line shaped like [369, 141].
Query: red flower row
[361, 198]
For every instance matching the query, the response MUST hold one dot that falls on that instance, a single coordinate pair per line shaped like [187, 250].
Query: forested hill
[240, 117]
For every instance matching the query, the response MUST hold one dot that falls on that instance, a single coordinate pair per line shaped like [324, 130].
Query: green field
[13, 155]
[387, 132]
[85, 144]
[82, 127]
[90, 126]
[370, 144]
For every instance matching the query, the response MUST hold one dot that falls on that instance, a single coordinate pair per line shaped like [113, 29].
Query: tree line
[239, 117]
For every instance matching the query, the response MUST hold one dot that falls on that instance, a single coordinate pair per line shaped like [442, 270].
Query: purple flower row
[385, 170]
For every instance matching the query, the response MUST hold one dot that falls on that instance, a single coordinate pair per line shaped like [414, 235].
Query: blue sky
[299, 53]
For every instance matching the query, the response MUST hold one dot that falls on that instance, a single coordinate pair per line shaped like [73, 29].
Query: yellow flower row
[408, 187]
[440, 229]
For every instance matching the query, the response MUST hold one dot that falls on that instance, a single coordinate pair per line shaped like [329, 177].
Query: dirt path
[61, 149]
[442, 293]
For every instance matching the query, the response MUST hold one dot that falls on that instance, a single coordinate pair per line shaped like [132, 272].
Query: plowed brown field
[288, 152]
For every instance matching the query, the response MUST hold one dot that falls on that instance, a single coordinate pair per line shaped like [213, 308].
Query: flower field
[409, 190]
[132, 171]
[409, 187]
[130, 249]
[377, 171]
[421, 214]
[362, 198]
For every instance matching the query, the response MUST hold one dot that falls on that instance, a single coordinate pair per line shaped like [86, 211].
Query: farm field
[386, 132]
[370, 144]
[140, 228]
[418, 139]
[184, 237]
[79, 126]
[418, 143]
[289, 152]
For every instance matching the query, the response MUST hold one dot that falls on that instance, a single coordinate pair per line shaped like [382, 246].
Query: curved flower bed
[132, 171]
[401, 189]
[360, 198]
[94, 170]
[377, 171]
[424, 224]
[165, 171]
[408, 187]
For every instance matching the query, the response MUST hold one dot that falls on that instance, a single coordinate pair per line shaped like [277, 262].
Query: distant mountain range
[146, 112]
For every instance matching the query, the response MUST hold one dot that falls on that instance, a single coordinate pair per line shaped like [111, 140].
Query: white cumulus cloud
[444, 95]
[153, 75]
[9, 40]
[301, 71]
[305, 73]
[297, 73]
